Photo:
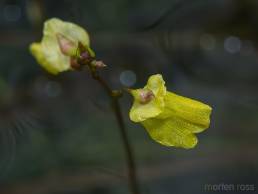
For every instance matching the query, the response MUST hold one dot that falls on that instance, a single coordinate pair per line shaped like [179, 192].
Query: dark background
[58, 134]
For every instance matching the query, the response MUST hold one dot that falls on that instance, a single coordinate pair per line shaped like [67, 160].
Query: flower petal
[140, 112]
[170, 132]
[75, 33]
[36, 50]
[157, 85]
[193, 112]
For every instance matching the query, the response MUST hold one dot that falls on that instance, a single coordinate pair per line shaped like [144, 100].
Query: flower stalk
[114, 96]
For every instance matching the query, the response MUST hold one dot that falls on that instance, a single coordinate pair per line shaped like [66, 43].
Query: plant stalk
[114, 97]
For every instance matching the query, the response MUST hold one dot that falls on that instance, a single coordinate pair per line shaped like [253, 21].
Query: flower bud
[98, 64]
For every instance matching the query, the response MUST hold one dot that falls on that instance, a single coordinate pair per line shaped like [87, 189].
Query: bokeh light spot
[128, 78]
[232, 44]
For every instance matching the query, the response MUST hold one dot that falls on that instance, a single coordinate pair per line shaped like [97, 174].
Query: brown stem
[129, 153]
[132, 178]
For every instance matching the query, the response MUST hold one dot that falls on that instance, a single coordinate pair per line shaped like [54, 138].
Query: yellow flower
[170, 119]
[60, 42]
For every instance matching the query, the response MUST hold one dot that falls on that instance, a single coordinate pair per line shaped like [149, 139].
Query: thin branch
[114, 97]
